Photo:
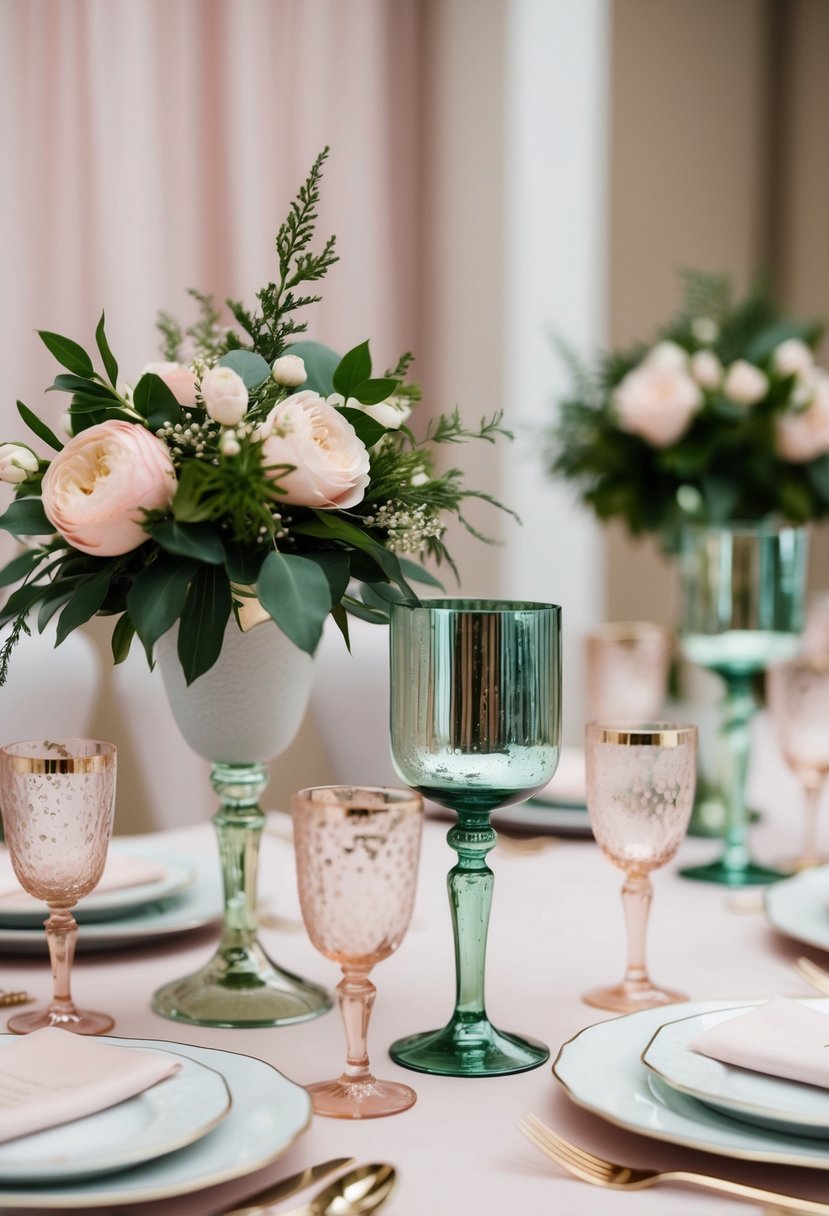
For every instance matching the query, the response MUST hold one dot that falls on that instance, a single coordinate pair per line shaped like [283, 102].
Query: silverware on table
[356, 1193]
[525, 844]
[289, 1186]
[815, 975]
[14, 998]
[590, 1168]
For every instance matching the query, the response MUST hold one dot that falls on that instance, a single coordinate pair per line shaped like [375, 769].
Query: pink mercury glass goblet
[357, 853]
[58, 802]
[798, 694]
[640, 792]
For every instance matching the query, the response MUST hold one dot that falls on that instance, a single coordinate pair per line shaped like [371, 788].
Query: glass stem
[470, 897]
[636, 900]
[812, 791]
[239, 822]
[61, 935]
[356, 992]
[735, 731]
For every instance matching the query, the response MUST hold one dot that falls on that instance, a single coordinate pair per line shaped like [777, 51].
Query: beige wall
[718, 115]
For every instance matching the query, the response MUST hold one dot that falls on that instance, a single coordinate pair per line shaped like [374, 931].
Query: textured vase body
[249, 706]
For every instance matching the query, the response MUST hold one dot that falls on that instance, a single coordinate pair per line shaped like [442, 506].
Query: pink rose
[331, 462]
[179, 379]
[657, 402]
[96, 490]
[225, 395]
[745, 383]
[803, 435]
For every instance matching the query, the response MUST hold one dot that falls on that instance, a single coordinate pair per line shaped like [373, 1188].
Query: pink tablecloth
[556, 930]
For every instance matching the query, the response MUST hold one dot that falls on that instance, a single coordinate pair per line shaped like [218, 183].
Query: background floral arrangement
[724, 416]
[214, 486]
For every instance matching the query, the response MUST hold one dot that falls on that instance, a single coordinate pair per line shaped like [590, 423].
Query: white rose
[421, 478]
[391, 413]
[330, 462]
[657, 403]
[745, 383]
[17, 463]
[289, 370]
[793, 358]
[229, 445]
[803, 434]
[705, 330]
[225, 396]
[669, 356]
[706, 369]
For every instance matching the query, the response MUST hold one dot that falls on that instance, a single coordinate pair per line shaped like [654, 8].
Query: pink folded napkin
[121, 871]
[782, 1038]
[53, 1076]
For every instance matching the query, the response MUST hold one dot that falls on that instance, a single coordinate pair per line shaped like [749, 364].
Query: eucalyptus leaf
[199, 541]
[246, 363]
[243, 564]
[68, 353]
[296, 593]
[122, 636]
[353, 369]
[320, 364]
[204, 617]
[364, 613]
[26, 517]
[87, 597]
[336, 566]
[156, 598]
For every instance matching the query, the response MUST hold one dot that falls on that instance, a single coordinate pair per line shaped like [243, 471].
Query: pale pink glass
[627, 665]
[58, 802]
[357, 854]
[798, 695]
[640, 792]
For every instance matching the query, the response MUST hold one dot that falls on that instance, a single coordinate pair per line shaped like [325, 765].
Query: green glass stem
[469, 1045]
[240, 985]
[735, 867]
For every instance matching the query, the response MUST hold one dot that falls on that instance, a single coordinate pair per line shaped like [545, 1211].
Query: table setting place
[223, 517]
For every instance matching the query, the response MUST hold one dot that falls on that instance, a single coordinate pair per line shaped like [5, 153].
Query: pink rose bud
[706, 369]
[289, 370]
[745, 383]
[95, 491]
[17, 463]
[225, 395]
[656, 403]
[180, 380]
[793, 358]
[803, 434]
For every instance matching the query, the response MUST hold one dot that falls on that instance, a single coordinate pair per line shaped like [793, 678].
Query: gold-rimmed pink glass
[627, 664]
[640, 792]
[58, 803]
[798, 696]
[357, 852]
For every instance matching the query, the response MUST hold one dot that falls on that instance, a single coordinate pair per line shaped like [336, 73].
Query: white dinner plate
[754, 1097]
[200, 904]
[267, 1115]
[798, 907]
[110, 905]
[165, 1117]
[602, 1070]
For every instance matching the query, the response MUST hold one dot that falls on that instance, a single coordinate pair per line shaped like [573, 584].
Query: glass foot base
[627, 998]
[240, 988]
[82, 1021]
[795, 865]
[364, 1099]
[748, 875]
[474, 1049]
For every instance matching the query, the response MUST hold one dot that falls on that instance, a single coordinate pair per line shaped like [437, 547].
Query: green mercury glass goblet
[475, 725]
[743, 587]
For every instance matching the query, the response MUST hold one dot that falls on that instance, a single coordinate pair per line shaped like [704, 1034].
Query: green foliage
[297, 594]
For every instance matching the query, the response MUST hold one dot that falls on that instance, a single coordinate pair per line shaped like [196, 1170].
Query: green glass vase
[475, 725]
[743, 590]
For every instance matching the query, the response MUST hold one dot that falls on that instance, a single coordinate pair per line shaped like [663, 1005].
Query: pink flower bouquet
[259, 467]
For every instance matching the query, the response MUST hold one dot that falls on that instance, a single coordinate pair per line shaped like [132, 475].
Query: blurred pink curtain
[153, 145]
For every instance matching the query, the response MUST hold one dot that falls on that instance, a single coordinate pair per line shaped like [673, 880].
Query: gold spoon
[355, 1193]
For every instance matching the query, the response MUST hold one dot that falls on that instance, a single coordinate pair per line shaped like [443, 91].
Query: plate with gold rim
[601, 1069]
[797, 907]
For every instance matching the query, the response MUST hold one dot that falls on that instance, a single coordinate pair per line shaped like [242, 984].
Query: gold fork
[816, 976]
[591, 1168]
[14, 998]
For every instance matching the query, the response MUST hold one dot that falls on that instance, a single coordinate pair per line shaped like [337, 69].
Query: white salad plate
[176, 1112]
[770, 1102]
[26, 912]
[267, 1114]
[798, 907]
[198, 905]
[602, 1070]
